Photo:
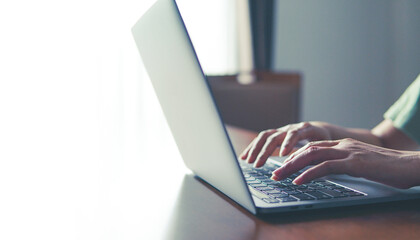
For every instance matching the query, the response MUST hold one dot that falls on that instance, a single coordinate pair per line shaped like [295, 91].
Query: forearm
[383, 135]
[392, 137]
[394, 167]
[411, 168]
[363, 135]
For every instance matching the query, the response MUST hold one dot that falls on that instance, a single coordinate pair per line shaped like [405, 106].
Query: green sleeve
[405, 112]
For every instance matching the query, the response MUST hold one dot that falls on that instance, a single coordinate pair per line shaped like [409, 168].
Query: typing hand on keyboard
[366, 157]
[286, 137]
[270, 191]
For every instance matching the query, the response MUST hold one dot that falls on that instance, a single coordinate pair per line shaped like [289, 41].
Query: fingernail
[296, 182]
[277, 171]
[274, 177]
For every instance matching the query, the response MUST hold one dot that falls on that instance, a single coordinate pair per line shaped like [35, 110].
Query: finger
[312, 156]
[321, 170]
[293, 137]
[289, 142]
[258, 144]
[270, 145]
[244, 154]
[309, 145]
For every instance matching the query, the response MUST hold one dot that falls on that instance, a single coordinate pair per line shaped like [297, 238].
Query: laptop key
[279, 195]
[246, 168]
[258, 194]
[303, 196]
[266, 180]
[260, 177]
[253, 182]
[328, 184]
[264, 171]
[282, 188]
[291, 191]
[333, 193]
[271, 167]
[264, 188]
[315, 186]
[270, 200]
[278, 184]
[318, 195]
[257, 185]
[293, 176]
[287, 199]
[309, 189]
[272, 191]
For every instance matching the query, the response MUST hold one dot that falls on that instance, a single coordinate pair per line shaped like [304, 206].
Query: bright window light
[211, 25]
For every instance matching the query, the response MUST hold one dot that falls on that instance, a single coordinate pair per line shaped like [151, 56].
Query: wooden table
[202, 212]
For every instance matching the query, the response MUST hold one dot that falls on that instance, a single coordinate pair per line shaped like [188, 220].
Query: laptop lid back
[187, 102]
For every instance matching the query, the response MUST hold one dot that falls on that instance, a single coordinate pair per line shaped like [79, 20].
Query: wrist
[411, 161]
[328, 129]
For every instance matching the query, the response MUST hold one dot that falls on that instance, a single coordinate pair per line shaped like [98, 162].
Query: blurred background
[355, 58]
[80, 123]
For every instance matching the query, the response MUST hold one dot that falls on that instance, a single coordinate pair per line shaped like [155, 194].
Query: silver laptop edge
[187, 102]
[196, 125]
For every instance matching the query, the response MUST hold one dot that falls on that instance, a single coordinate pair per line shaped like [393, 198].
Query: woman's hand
[392, 167]
[287, 137]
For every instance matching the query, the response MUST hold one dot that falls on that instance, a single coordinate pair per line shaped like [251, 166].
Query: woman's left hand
[347, 156]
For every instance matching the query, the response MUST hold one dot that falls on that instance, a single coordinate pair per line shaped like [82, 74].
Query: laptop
[200, 134]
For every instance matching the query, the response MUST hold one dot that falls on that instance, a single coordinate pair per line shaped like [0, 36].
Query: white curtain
[78, 116]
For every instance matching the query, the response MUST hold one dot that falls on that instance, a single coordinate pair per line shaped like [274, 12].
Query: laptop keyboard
[270, 191]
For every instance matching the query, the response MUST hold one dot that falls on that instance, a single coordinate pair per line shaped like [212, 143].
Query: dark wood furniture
[272, 101]
[202, 212]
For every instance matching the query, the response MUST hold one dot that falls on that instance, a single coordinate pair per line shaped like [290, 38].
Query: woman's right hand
[286, 138]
